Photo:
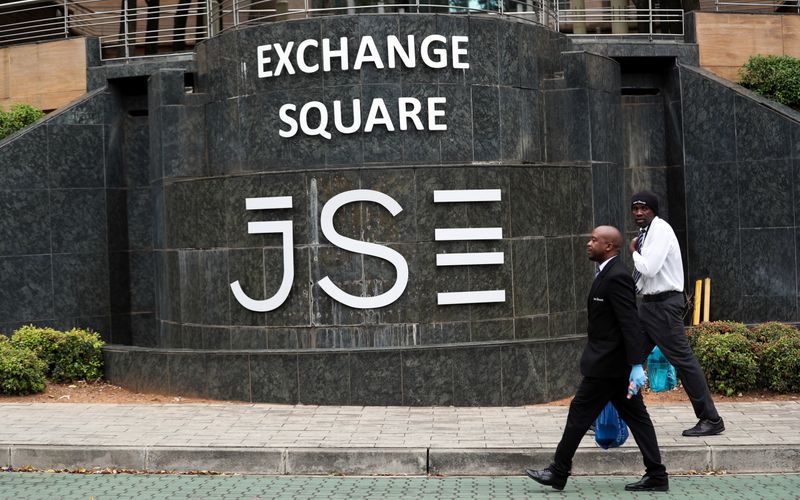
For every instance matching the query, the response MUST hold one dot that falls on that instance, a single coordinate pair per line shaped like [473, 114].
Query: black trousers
[663, 323]
[589, 401]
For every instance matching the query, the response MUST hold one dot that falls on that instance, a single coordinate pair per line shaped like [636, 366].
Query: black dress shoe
[547, 478]
[706, 427]
[649, 483]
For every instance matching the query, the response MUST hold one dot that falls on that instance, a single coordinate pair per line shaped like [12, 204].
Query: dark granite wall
[583, 124]
[212, 148]
[652, 144]
[125, 213]
[508, 62]
[53, 226]
[131, 225]
[76, 221]
[159, 231]
[741, 154]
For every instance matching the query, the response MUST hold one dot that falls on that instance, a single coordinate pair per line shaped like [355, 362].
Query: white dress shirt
[660, 261]
[601, 266]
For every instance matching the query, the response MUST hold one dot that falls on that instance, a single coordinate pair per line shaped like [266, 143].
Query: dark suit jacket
[616, 340]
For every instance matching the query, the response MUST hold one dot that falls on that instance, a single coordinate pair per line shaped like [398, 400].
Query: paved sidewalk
[278, 439]
[38, 486]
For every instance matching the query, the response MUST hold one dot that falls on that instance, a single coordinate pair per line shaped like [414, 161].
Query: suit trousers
[592, 396]
[663, 323]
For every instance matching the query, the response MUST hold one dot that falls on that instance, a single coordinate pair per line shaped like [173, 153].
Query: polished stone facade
[126, 213]
[313, 349]
[741, 160]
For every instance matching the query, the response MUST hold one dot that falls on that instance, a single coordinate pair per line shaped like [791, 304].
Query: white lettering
[283, 227]
[323, 119]
[425, 51]
[408, 55]
[458, 52]
[337, 117]
[434, 52]
[405, 114]
[433, 113]
[409, 109]
[367, 44]
[328, 53]
[283, 58]
[263, 60]
[301, 59]
[378, 106]
[362, 247]
[285, 118]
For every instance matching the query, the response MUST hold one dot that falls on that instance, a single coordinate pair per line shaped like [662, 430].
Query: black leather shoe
[706, 427]
[547, 478]
[649, 483]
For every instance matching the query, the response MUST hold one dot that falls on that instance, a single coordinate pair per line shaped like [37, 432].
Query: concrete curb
[399, 461]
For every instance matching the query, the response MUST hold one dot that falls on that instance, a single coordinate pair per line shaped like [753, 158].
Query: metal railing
[229, 13]
[145, 28]
[613, 22]
[752, 6]
[124, 27]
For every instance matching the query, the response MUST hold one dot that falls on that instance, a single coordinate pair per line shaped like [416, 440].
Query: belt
[658, 297]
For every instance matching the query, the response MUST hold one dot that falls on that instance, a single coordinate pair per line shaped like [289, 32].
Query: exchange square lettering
[310, 56]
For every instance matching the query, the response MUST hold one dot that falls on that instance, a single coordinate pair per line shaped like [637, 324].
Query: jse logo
[284, 228]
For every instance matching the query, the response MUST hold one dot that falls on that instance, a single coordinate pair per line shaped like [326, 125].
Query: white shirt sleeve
[658, 247]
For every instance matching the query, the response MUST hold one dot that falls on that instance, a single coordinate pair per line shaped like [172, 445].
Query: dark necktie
[639, 245]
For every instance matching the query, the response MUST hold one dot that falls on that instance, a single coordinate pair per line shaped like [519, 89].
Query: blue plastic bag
[661, 373]
[610, 430]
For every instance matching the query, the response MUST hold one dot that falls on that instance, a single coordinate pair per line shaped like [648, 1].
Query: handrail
[131, 28]
[745, 6]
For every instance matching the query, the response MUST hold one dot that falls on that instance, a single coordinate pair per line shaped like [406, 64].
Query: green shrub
[21, 372]
[44, 342]
[774, 77]
[728, 361]
[781, 364]
[765, 333]
[69, 356]
[17, 118]
[80, 357]
[715, 328]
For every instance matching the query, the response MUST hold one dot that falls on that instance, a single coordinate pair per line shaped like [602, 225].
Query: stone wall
[54, 225]
[213, 148]
[77, 224]
[741, 158]
[174, 164]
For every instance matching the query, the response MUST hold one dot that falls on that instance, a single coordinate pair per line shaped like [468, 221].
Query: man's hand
[632, 246]
[637, 380]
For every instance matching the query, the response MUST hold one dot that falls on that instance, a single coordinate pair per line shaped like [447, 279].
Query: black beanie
[646, 197]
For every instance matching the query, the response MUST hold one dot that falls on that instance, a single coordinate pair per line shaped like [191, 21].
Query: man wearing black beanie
[658, 276]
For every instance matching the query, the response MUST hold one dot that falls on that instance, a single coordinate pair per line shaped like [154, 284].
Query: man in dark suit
[610, 364]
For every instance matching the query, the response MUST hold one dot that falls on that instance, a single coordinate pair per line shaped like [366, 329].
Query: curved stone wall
[214, 149]
[127, 213]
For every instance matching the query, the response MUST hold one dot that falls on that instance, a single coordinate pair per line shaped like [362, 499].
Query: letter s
[373, 249]
[285, 118]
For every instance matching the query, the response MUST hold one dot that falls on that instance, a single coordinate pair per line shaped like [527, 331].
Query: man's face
[642, 214]
[597, 247]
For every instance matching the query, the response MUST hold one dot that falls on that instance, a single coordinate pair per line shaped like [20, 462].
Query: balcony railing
[752, 6]
[144, 28]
